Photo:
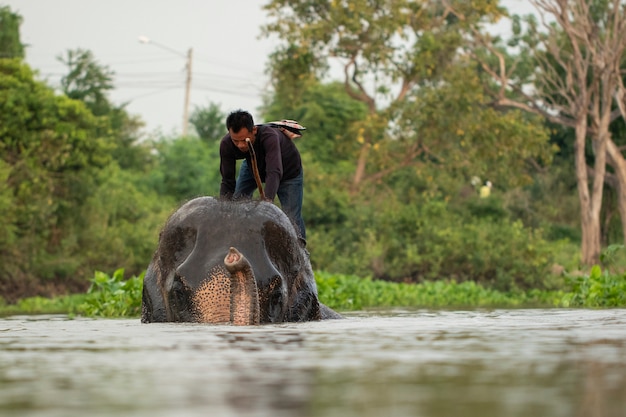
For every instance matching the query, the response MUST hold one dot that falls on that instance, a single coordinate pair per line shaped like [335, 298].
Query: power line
[209, 89]
[148, 94]
[128, 79]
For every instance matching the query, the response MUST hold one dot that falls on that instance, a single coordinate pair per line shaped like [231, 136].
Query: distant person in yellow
[485, 190]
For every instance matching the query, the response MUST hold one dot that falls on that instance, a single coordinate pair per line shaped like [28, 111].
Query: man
[278, 160]
[485, 190]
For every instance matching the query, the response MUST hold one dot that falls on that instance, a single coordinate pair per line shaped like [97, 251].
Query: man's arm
[227, 169]
[273, 163]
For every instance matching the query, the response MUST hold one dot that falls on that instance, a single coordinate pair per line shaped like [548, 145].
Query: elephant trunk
[244, 295]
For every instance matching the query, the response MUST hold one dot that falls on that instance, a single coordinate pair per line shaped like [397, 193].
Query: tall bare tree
[578, 56]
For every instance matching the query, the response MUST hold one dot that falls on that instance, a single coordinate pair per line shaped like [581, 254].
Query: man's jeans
[290, 194]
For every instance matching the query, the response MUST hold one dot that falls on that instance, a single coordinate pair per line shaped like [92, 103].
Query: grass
[66, 304]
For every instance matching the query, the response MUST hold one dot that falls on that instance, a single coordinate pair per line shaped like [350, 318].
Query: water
[398, 363]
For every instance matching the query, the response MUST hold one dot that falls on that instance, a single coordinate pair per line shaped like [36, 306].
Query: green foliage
[598, 289]
[186, 168]
[118, 224]
[349, 292]
[87, 80]
[330, 116]
[394, 40]
[293, 69]
[43, 130]
[407, 222]
[90, 82]
[610, 255]
[427, 240]
[550, 202]
[50, 150]
[8, 228]
[421, 102]
[209, 122]
[79, 192]
[10, 44]
[68, 304]
[449, 126]
[113, 296]
[108, 296]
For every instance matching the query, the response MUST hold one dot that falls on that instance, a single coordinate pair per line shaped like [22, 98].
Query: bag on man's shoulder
[291, 128]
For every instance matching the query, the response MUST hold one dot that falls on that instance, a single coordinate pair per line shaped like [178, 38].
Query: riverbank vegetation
[114, 296]
[432, 185]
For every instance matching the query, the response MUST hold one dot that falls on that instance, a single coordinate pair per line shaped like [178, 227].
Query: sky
[228, 55]
[228, 58]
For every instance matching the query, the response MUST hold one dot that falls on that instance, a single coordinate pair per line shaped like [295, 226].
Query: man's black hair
[239, 119]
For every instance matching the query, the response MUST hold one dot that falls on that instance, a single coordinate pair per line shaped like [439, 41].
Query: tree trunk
[360, 166]
[590, 202]
[616, 160]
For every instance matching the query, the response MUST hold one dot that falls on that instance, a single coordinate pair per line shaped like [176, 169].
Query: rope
[255, 169]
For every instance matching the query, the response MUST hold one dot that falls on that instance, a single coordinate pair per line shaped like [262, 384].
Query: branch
[406, 86]
[408, 160]
[361, 95]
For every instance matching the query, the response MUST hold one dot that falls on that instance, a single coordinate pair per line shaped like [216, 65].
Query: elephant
[239, 262]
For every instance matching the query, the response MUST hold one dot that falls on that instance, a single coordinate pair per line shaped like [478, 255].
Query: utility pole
[187, 93]
[145, 39]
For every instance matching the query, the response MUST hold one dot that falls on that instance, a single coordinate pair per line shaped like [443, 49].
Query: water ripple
[392, 363]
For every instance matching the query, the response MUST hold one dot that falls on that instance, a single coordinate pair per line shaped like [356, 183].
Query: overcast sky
[228, 57]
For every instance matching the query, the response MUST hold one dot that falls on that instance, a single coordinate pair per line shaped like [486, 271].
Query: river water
[537, 363]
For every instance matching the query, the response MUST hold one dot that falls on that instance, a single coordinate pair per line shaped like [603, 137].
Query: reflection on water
[422, 363]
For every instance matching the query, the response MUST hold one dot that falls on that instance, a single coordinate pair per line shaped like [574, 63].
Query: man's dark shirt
[277, 157]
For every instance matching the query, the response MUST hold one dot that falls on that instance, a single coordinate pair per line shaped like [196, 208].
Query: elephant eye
[275, 298]
[177, 286]
[180, 295]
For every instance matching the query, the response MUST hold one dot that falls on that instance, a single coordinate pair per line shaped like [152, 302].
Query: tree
[10, 44]
[388, 49]
[50, 150]
[578, 58]
[330, 116]
[293, 69]
[185, 168]
[87, 80]
[90, 82]
[209, 122]
[407, 223]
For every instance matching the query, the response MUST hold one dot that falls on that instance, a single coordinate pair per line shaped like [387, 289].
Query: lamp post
[188, 57]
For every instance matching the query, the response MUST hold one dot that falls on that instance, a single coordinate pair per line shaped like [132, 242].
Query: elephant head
[238, 262]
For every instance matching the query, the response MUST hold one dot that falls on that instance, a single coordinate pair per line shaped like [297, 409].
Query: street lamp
[145, 39]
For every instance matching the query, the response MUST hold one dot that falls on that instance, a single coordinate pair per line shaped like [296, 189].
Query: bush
[113, 296]
[598, 289]
[349, 292]
[429, 241]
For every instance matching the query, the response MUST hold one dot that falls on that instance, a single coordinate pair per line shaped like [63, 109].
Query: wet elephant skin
[188, 280]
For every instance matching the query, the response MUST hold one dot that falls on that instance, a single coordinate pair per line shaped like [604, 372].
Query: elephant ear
[303, 302]
[304, 305]
[152, 304]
